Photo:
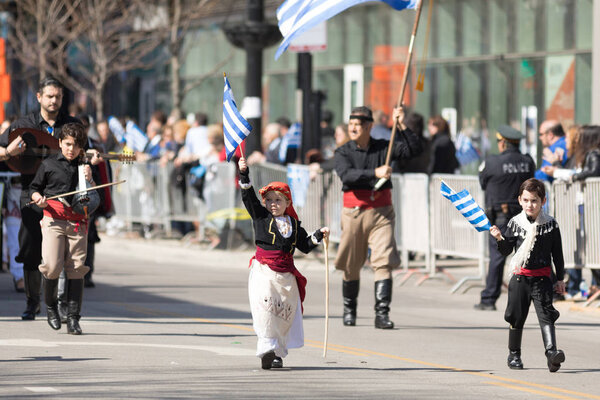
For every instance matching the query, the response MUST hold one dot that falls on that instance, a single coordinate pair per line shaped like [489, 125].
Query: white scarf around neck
[521, 257]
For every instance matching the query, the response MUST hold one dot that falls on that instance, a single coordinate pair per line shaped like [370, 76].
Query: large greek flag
[467, 207]
[297, 16]
[235, 127]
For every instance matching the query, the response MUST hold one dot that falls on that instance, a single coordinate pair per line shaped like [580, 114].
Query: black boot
[514, 348]
[350, 294]
[62, 297]
[554, 356]
[277, 362]
[266, 361]
[50, 296]
[74, 298]
[33, 289]
[383, 298]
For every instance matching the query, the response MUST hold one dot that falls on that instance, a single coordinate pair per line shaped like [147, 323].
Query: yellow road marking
[522, 389]
[364, 352]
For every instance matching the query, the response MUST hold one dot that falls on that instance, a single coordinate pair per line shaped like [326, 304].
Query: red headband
[284, 189]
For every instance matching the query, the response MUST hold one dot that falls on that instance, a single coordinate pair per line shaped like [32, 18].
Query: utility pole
[253, 36]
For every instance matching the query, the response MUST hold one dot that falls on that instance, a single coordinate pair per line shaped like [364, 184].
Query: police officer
[501, 175]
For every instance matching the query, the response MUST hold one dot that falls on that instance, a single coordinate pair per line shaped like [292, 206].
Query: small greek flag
[235, 127]
[467, 207]
[135, 138]
[116, 128]
[297, 16]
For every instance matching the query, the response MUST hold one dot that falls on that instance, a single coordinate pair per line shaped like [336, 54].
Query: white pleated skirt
[276, 310]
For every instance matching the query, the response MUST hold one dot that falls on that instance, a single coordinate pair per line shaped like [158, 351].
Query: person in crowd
[271, 139]
[325, 124]
[204, 180]
[157, 120]
[276, 289]
[11, 220]
[152, 149]
[107, 138]
[327, 132]
[381, 128]
[368, 217]
[556, 169]
[420, 163]
[560, 173]
[178, 178]
[536, 238]
[442, 155]
[49, 120]
[196, 145]
[501, 176]
[290, 153]
[589, 152]
[62, 226]
[341, 137]
[552, 137]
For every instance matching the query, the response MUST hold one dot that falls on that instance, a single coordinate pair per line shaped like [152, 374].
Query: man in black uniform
[48, 119]
[368, 216]
[500, 176]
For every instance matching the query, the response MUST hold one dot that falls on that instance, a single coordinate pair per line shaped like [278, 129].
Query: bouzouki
[40, 145]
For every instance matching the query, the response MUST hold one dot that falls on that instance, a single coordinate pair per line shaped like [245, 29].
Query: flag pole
[326, 246]
[402, 90]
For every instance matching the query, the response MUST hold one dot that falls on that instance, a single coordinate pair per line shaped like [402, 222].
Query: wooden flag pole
[402, 89]
[326, 246]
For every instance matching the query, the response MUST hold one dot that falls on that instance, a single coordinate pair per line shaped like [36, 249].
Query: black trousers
[493, 281]
[522, 290]
[30, 234]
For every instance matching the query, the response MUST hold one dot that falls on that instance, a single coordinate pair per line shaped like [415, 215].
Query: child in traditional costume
[275, 287]
[64, 231]
[537, 238]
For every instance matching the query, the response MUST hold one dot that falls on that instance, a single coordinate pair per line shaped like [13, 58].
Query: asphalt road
[167, 321]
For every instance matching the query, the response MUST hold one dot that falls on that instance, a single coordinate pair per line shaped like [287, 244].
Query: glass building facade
[490, 62]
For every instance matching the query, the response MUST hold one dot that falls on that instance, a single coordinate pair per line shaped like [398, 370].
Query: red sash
[57, 210]
[280, 261]
[364, 198]
[544, 271]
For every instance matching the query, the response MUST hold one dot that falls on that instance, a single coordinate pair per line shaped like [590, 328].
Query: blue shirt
[561, 143]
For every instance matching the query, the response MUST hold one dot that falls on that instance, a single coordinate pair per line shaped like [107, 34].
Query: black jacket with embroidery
[546, 249]
[266, 234]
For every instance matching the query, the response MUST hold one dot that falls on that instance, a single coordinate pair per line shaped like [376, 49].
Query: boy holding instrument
[64, 232]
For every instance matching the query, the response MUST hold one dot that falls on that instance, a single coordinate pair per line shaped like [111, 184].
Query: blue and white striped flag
[467, 207]
[135, 138]
[235, 127]
[116, 128]
[297, 16]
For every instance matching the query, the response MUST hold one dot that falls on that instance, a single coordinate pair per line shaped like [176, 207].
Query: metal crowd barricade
[567, 199]
[426, 222]
[451, 234]
[591, 200]
[411, 201]
[144, 198]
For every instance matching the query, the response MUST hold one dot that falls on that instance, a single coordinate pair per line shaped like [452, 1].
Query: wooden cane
[402, 89]
[326, 246]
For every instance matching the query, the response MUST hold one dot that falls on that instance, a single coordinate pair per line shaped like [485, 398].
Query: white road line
[41, 389]
[219, 350]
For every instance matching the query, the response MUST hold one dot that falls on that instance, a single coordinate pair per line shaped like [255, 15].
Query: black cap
[362, 113]
[509, 133]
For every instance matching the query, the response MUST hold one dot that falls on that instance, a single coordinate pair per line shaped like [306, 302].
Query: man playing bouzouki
[50, 120]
